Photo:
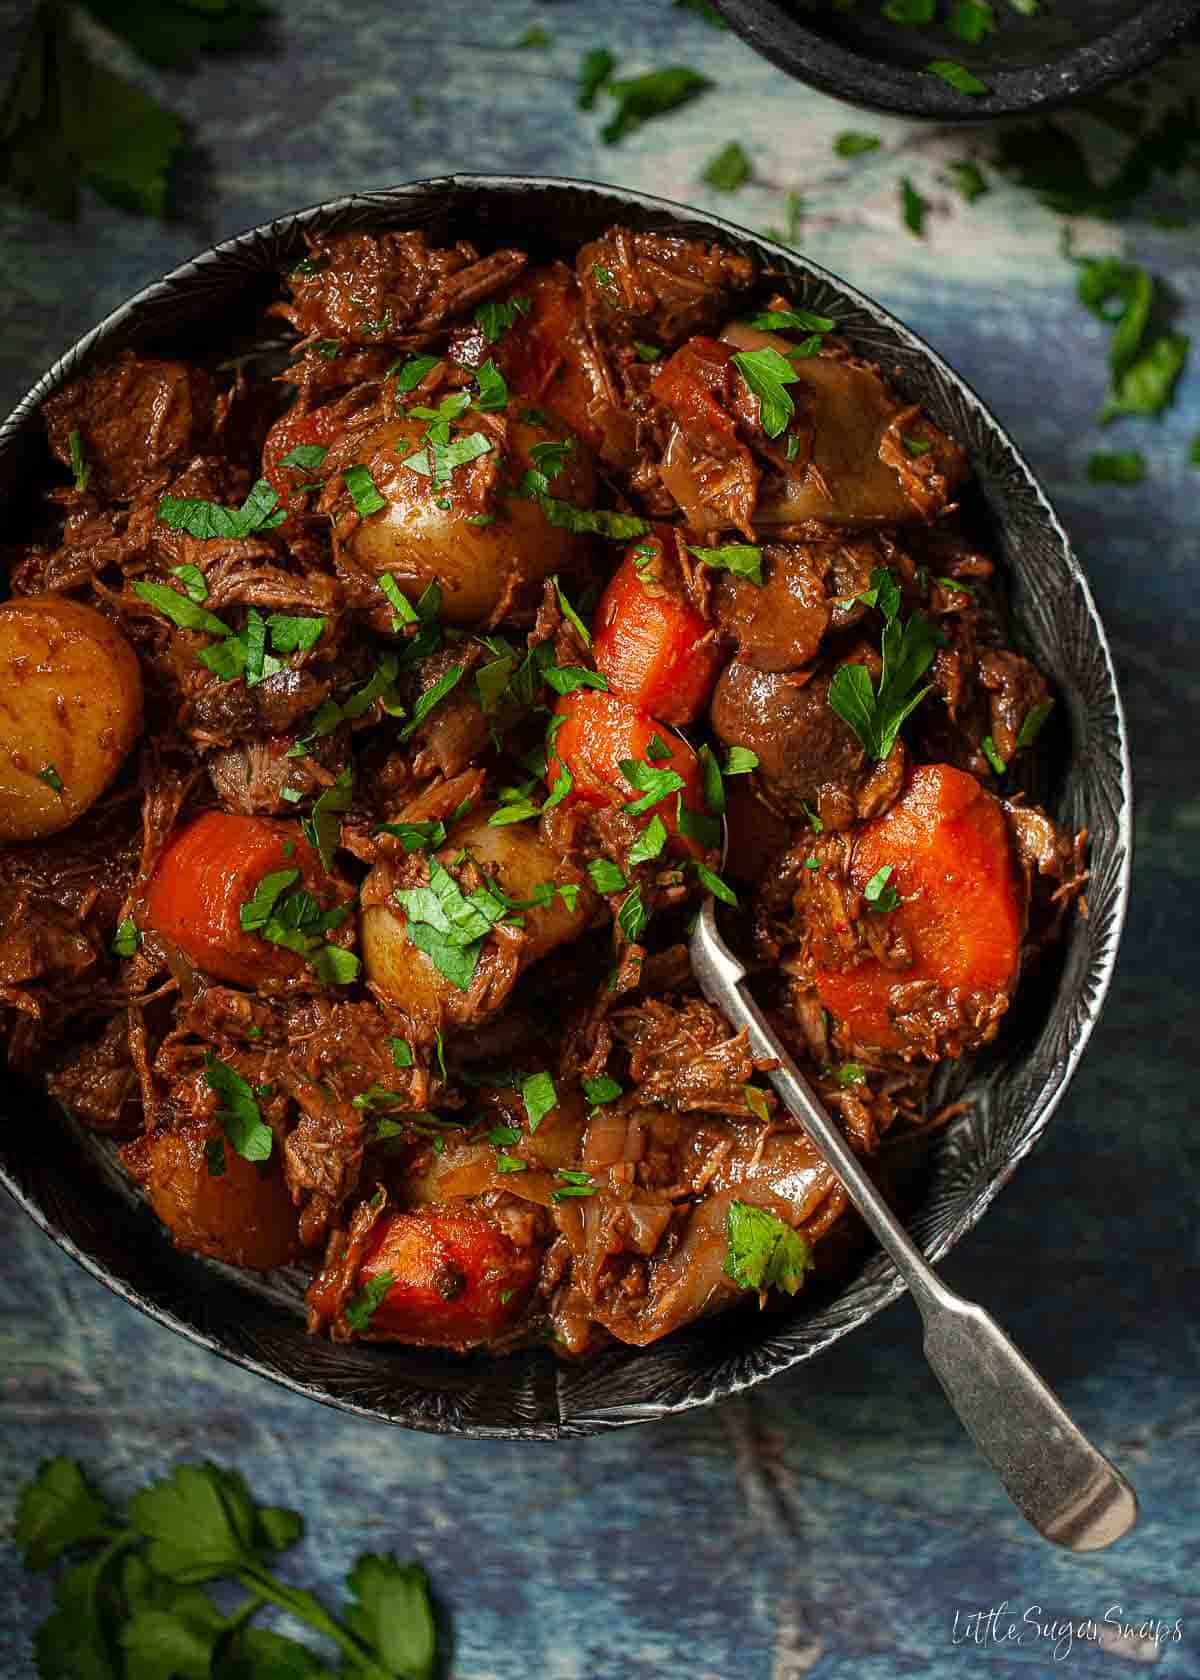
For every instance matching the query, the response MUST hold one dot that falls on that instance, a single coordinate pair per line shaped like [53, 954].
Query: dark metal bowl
[1069, 48]
[65, 1178]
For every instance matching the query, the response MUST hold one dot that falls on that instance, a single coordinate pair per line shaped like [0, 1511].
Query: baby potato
[425, 533]
[242, 1215]
[70, 710]
[519, 860]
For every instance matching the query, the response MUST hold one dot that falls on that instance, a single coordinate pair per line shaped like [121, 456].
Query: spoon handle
[1063, 1485]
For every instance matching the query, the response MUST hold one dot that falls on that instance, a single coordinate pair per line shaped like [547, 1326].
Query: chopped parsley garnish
[850, 1073]
[1117, 466]
[814, 821]
[448, 925]
[493, 388]
[605, 876]
[206, 520]
[401, 1049]
[599, 522]
[602, 276]
[239, 1115]
[649, 842]
[714, 786]
[742, 559]
[574, 1184]
[409, 373]
[568, 679]
[646, 352]
[287, 914]
[193, 581]
[756, 1102]
[323, 829]
[970, 180]
[884, 593]
[539, 1096]
[633, 916]
[1031, 725]
[791, 320]
[912, 207]
[403, 611]
[432, 697]
[908, 650]
[595, 67]
[126, 939]
[763, 1252]
[812, 863]
[740, 761]
[712, 883]
[641, 98]
[536, 36]
[328, 348]
[307, 456]
[915, 446]
[496, 316]
[51, 777]
[80, 469]
[657, 750]
[988, 747]
[957, 76]
[363, 491]
[602, 1090]
[972, 20]
[851, 144]
[361, 1308]
[652, 785]
[728, 169]
[768, 373]
[879, 892]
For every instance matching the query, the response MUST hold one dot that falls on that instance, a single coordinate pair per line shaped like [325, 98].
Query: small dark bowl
[65, 1178]
[1069, 48]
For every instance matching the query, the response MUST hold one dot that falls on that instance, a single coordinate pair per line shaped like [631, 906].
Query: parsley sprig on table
[129, 1600]
[67, 121]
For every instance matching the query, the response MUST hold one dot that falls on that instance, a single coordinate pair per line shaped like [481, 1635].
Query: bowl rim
[872, 84]
[389, 203]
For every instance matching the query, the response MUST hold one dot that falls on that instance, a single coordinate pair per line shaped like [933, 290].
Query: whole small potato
[425, 533]
[70, 710]
[242, 1215]
[518, 859]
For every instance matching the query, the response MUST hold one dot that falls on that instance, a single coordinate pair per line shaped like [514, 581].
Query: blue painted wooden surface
[834, 1523]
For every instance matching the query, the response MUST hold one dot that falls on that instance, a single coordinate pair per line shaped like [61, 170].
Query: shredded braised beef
[360, 924]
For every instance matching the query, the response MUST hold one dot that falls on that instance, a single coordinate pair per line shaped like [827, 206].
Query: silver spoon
[1055, 1477]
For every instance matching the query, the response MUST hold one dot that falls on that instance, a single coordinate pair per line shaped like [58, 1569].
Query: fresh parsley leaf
[740, 761]
[363, 491]
[957, 76]
[206, 520]
[988, 747]
[657, 750]
[595, 67]
[493, 388]
[879, 893]
[51, 777]
[712, 882]
[814, 821]
[496, 316]
[850, 144]
[572, 617]
[393, 1614]
[574, 1184]
[56, 1510]
[972, 20]
[912, 207]
[402, 1056]
[240, 1118]
[563, 783]
[599, 522]
[411, 371]
[910, 11]
[605, 876]
[539, 1096]
[361, 1308]
[126, 939]
[756, 1102]
[908, 651]
[80, 470]
[653, 785]
[602, 1090]
[649, 843]
[1148, 383]
[714, 786]
[1118, 466]
[1032, 722]
[257, 909]
[884, 593]
[180, 610]
[742, 559]
[323, 829]
[728, 169]
[970, 180]
[915, 446]
[642, 98]
[767, 373]
[633, 916]
[294, 633]
[850, 1073]
[193, 581]
[763, 1252]
[535, 36]
[646, 352]
[306, 456]
[568, 679]
[432, 697]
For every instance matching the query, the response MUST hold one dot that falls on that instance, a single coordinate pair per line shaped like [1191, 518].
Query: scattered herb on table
[129, 1595]
[851, 144]
[912, 207]
[595, 68]
[970, 180]
[642, 98]
[728, 169]
[1118, 466]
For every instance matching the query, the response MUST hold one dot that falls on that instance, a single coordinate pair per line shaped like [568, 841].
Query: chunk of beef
[685, 1055]
[395, 288]
[97, 1081]
[258, 777]
[779, 626]
[136, 420]
[657, 287]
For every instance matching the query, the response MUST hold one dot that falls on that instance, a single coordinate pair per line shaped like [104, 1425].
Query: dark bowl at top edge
[1070, 49]
[64, 1178]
